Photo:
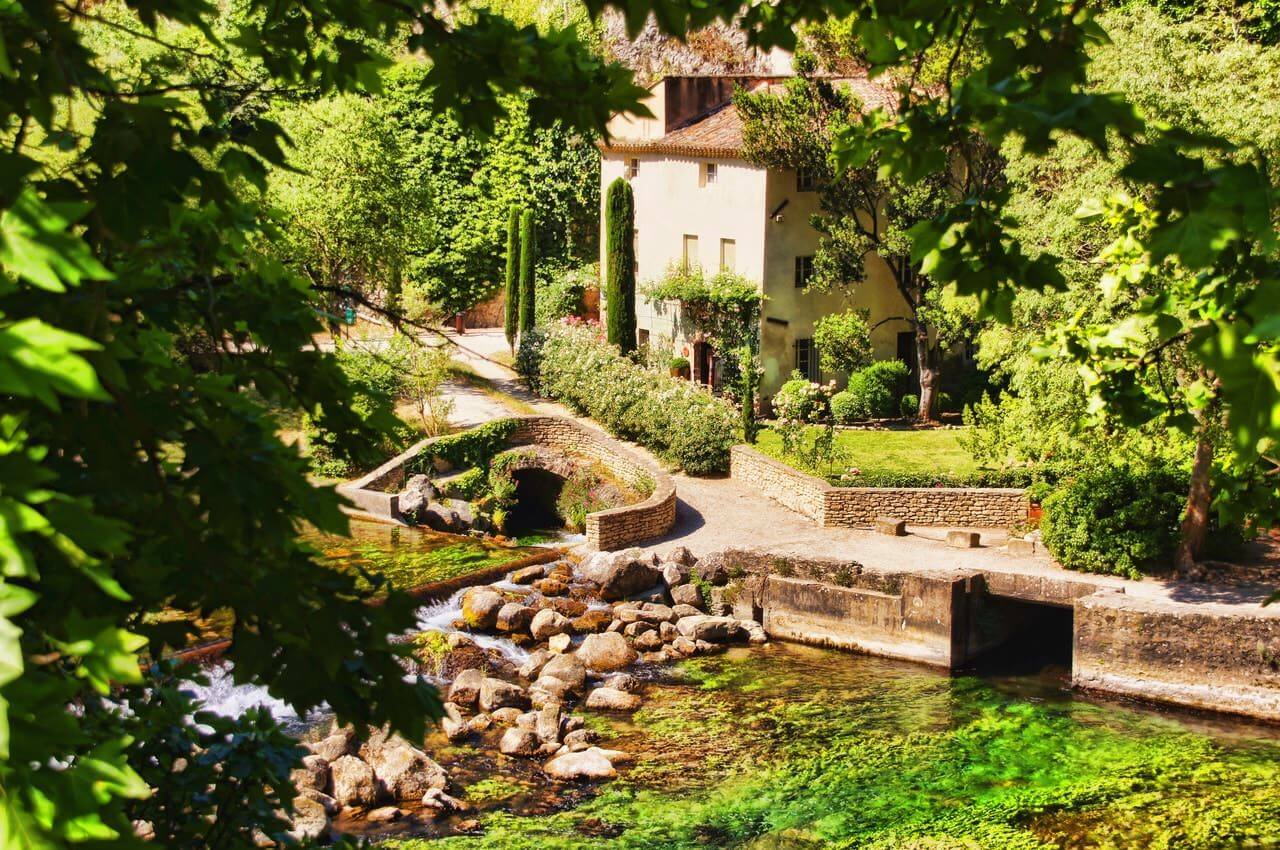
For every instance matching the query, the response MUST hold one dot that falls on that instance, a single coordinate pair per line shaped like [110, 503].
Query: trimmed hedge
[1115, 520]
[682, 423]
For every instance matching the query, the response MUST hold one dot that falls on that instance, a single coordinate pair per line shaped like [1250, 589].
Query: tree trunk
[926, 363]
[1195, 522]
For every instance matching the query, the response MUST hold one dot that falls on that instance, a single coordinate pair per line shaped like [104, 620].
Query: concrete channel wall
[1220, 657]
[615, 528]
[850, 507]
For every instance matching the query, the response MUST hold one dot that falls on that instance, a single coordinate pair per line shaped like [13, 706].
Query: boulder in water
[405, 772]
[514, 617]
[480, 607]
[559, 644]
[611, 699]
[310, 819]
[606, 651]
[519, 742]
[340, 743]
[620, 574]
[592, 621]
[354, 783]
[465, 689]
[585, 764]
[547, 623]
[529, 575]
[495, 693]
[313, 774]
[712, 629]
[534, 664]
[569, 669]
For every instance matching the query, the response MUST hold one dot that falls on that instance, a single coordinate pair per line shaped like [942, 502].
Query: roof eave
[703, 151]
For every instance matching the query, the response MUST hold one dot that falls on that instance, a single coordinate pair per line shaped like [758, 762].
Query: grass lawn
[887, 452]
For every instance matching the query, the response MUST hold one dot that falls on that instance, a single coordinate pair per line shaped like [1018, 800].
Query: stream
[787, 746]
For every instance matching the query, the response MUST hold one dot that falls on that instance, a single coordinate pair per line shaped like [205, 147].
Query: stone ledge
[850, 507]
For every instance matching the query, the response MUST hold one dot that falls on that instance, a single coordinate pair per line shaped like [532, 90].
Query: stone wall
[1202, 656]
[616, 528]
[848, 507]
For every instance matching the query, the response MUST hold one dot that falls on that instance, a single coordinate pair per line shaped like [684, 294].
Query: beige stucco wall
[670, 203]
[624, 125]
[793, 236]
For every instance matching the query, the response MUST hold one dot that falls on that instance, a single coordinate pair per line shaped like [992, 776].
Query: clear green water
[794, 747]
[410, 557]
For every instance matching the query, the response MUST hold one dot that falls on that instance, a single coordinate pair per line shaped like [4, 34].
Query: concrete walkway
[719, 513]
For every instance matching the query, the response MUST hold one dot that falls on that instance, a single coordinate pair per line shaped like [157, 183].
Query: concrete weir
[1210, 656]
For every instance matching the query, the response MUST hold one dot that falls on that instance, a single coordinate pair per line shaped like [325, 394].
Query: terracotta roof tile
[717, 133]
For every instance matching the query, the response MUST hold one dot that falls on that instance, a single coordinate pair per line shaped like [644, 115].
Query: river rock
[549, 691]
[567, 606]
[605, 652]
[495, 693]
[453, 724]
[529, 575]
[331, 806]
[559, 644]
[514, 617]
[625, 682]
[415, 497]
[518, 742]
[593, 621]
[405, 772]
[384, 814]
[310, 819]
[648, 641]
[682, 556]
[354, 783]
[682, 611]
[527, 720]
[586, 764]
[480, 607]
[547, 623]
[683, 646]
[713, 569]
[505, 716]
[620, 574]
[313, 774]
[568, 669]
[638, 627]
[687, 595]
[341, 742]
[551, 587]
[580, 739]
[706, 647]
[611, 699]
[548, 724]
[533, 666]
[459, 639]
[480, 723]
[441, 802]
[615, 626]
[675, 574]
[704, 627]
[668, 632]
[756, 634]
[465, 689]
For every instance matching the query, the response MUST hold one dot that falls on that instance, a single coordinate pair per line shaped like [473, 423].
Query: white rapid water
[439, 617]
[224, 697]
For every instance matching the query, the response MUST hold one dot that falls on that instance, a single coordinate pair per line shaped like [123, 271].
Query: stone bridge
[558, 446]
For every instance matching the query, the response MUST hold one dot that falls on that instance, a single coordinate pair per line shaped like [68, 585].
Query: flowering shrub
[672, 417]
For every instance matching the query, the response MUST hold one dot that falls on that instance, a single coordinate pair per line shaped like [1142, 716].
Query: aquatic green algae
[411, 557]
[790, 747]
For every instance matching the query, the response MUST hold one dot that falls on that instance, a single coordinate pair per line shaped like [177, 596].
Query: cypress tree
[527, 260]
[620, 271]
[511, 319]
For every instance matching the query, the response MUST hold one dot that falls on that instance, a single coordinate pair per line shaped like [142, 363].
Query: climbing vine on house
[723, 308]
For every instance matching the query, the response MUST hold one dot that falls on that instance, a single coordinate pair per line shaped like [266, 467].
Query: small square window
[710, 173]
[806, 181]
[804, 271]
[632, 168]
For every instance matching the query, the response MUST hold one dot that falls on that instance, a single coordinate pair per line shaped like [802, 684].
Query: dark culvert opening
[1024, 638]
[536, 493]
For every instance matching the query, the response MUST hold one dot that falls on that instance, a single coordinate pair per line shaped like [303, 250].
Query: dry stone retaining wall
[616, 528]
[847, 507]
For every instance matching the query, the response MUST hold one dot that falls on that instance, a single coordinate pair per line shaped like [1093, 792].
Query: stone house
[699, 202]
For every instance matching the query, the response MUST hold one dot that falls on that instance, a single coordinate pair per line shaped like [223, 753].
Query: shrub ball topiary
[1114, 520]
[909, 405]
[847, 407]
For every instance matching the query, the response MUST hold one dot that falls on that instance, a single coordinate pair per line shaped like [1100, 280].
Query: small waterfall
[439, 617]
[224, 697]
